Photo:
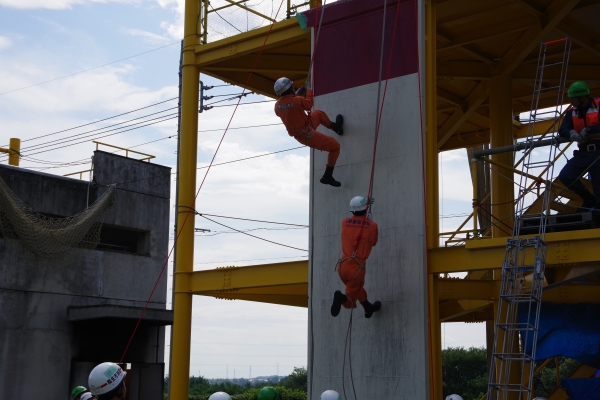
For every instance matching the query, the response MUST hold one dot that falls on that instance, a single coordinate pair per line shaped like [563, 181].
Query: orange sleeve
[375, 234]
[308, 102]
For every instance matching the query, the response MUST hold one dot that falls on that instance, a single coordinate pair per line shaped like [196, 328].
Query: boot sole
[333, 183]
[337, 304]
[339, 121]
[374, 308]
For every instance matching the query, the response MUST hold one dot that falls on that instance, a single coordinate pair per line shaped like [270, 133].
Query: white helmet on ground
[330, 395]
[281, 85]
[105, 377]
[358, 203]
[454, 397]
[219, 396]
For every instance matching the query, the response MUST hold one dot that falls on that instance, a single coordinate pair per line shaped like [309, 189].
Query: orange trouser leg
[319, 117]
[354, 278]
[318, 141]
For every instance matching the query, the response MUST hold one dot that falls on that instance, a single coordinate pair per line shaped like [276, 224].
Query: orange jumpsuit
[292, 111]
[349, 270]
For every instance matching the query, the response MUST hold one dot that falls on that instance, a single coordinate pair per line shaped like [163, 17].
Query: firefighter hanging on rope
[359, 235]
[292, 108]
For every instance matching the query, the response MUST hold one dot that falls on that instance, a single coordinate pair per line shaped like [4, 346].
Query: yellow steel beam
[488, 290]
[13, 151]
[283, 33]
[552, 16]
[571, 247]
[474, 100]
[279, 274]
[472, 70]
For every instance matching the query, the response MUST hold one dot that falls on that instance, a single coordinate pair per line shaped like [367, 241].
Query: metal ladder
[520, 299]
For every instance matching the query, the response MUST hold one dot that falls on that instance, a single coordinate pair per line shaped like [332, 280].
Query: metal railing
[127, 151]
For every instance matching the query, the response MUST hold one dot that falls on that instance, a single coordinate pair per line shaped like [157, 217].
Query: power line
[252, 259]
[256, 237]
[89, 69]
[249, 230]
[252, 220]
[74, 137]
[112, 134]
[248, 158]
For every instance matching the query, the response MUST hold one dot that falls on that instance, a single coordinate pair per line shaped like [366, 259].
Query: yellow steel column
[432, 201]
[502, 189]
[182, 299]
[15, 151]
[502, 181]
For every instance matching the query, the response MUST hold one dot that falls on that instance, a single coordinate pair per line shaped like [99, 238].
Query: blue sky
[42, 40]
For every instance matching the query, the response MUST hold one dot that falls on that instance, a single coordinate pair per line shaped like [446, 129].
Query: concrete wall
[37, 343]
[389, 351]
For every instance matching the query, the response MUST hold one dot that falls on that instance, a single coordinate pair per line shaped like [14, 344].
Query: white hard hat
[86, 396]
[219, 396]
[454, 397]
[330, 395]
[281, 85]
[540, 398]
[105, 377]
[358, 203]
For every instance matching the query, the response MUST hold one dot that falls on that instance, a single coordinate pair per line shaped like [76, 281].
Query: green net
[52, 238]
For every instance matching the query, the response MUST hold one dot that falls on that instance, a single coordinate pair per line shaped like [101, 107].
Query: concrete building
[58, 321]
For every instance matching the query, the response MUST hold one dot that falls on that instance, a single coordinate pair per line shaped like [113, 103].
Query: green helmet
[77, 390]
[268, 393]
[578, 89]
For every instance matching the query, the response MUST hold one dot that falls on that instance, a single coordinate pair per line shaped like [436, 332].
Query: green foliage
[297, 380]
[464, 372]
[545, 381]
[252, 394]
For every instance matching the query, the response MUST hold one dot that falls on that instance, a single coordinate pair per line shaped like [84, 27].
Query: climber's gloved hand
[575, 136]
[301, 91]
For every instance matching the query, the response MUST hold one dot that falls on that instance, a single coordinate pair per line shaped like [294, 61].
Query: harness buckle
[591, 147]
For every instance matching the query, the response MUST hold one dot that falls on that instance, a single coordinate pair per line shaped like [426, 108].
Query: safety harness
[353, 256]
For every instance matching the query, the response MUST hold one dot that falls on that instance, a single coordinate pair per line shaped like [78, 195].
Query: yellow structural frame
[571, 255]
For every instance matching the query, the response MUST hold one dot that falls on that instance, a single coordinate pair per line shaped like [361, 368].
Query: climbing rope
[379, 114]
[201, 185]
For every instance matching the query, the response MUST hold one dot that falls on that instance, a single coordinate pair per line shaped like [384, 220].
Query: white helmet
[358, 203]
[86, 396]
[330, 395]
[105, 377]
[454, 397]
[540, 398]
[219, 396]
[281, 85]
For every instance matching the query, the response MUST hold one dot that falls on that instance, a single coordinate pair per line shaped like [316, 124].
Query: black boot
[328, 179]
[370, 308]
[338, 299]
[337, 125]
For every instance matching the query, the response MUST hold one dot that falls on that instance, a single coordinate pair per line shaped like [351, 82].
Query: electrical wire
[252, 220]
[199, 234]
[252, 259]
[256, 237]
[89, 69]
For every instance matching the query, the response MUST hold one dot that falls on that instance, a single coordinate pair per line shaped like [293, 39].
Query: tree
[464, 372]
[545, 381]
[297, 380]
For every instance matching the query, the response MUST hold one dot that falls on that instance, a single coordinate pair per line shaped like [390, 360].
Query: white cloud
[5, 43]
[55, 4]
[150, 37]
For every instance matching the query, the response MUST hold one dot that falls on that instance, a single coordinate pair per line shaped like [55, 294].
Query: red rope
[387, 77]
[202, 183]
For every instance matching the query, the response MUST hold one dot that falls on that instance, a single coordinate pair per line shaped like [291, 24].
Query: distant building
[58, 321]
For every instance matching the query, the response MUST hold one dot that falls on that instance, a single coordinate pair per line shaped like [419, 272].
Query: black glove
[301, 91]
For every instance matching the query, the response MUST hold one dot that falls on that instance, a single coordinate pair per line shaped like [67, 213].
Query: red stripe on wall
[349, 48]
